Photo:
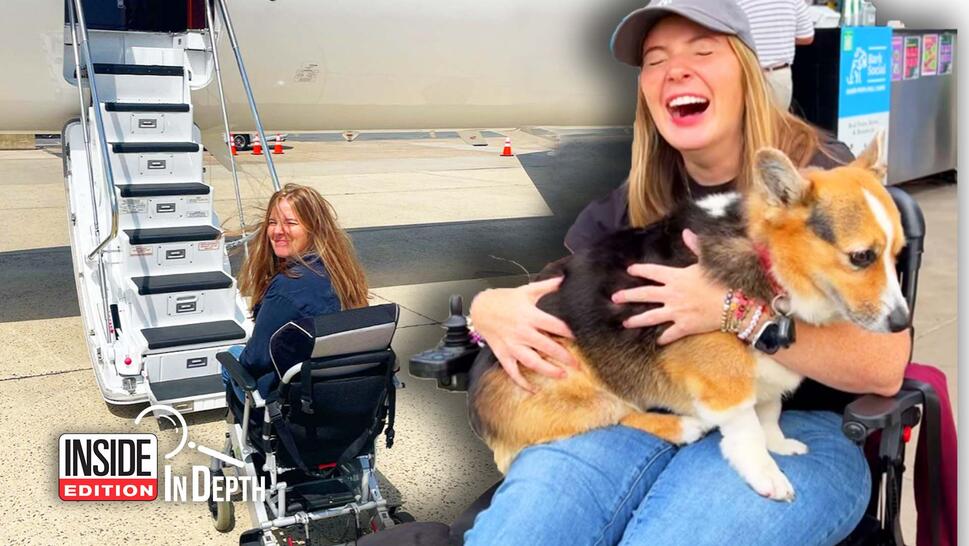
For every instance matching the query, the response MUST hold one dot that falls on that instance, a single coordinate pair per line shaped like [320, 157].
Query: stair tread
[147, 236]
[187, 388]
[150, 147]
[146, 107]
[182, 282]
[138, 69]
[163, 337]
[158, 190]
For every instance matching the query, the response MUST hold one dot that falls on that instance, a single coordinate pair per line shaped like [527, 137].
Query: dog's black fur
[584, 299]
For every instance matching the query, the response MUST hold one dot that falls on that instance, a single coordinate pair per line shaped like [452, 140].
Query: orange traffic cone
[506, 151]
[278, 148]
[234, 150]
[256, 148]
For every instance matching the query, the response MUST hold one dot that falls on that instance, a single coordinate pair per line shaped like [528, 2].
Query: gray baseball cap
[724, 16]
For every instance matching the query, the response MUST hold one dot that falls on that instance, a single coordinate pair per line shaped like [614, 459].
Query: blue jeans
[235, 351]
[622, 486]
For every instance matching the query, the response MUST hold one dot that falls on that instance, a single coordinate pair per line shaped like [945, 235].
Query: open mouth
[687, 106]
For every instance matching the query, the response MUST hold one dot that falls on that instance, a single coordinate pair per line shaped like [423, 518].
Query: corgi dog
[825, 239]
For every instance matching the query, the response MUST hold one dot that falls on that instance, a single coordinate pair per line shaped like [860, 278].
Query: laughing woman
[703, 110]
[301, 264]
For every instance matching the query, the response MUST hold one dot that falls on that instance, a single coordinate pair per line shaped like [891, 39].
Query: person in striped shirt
[777, 26]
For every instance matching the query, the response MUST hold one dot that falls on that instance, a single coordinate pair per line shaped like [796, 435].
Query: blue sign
[866, 71]
[864, 91]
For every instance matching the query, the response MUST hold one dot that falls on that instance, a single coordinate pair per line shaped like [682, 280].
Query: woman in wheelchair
[703, 110]
[301, 264]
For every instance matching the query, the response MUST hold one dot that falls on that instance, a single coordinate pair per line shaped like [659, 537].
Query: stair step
[138, 69]
[153, 147]
[187, 388]
[145, 107]
[150, 236]
[162, 190]
[182, 282]
[192, 334]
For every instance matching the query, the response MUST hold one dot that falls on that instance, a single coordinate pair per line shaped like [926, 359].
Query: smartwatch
[775, 334]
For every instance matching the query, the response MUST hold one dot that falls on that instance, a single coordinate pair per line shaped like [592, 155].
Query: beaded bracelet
[740, 310]
[725, 313]
[474, 335]
[736, 309]
[748, 306]
[753, 324]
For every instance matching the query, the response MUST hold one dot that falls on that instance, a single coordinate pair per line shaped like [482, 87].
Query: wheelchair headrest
[348, 332]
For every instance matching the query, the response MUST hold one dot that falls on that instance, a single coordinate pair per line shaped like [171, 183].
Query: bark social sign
[864, 91]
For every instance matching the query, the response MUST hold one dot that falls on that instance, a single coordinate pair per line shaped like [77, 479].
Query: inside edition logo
[99, 467]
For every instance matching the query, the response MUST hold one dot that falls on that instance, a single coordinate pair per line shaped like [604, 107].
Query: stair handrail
[99, 122]
[84, 122]
[210, 22]
[85, 129]
[224, 11]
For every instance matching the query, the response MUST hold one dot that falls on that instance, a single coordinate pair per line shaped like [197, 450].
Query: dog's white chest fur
[773, 379]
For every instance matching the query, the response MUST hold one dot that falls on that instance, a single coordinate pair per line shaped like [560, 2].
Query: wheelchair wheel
[223, 512]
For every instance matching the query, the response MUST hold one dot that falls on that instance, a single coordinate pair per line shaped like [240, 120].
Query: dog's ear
[873, 158]
[782, 184]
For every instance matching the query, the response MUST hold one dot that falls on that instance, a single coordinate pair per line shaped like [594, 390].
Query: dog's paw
[786, 446]
[692, 429]
[768, 481]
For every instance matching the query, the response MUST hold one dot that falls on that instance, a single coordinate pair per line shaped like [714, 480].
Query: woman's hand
[691, 301]
[517, 331]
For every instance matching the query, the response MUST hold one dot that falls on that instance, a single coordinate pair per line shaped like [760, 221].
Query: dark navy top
[306, 292]
[611, 213]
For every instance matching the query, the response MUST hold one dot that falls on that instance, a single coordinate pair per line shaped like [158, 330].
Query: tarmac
[430, 217]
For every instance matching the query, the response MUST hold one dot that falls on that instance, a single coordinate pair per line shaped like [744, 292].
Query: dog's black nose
[898, 319]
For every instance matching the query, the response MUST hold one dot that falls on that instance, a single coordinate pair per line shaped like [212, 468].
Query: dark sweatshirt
[306, 292]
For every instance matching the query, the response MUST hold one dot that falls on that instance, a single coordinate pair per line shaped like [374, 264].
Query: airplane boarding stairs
[158, 301]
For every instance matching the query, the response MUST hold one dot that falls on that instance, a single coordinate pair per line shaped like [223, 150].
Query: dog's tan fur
[710, 379]
[712, 370]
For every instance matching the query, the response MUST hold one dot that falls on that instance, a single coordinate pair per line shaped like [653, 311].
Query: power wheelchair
[880, 421]
[312, 438]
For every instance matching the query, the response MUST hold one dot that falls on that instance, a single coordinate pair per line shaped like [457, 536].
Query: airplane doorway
[143, 15]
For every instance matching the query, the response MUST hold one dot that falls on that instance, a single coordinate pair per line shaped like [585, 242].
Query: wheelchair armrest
[872, 412]
[890, 415]
[239, 375]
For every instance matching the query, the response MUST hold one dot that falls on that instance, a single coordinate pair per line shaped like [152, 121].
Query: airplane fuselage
[378, 65]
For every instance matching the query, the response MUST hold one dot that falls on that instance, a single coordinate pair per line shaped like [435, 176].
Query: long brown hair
[325, 239]
[656, 164]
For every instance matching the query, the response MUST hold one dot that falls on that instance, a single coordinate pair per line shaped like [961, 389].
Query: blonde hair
[325, 239]
[656, 164]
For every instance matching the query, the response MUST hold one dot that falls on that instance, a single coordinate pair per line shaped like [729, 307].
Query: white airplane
[157, 298]
[340, 65]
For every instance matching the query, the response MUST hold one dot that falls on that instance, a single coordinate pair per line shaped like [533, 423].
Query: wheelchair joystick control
[456, 305]
[450, 361]
[456, 325]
